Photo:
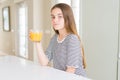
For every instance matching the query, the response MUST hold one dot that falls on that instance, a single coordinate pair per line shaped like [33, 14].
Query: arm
[74, 60]
[41, 55]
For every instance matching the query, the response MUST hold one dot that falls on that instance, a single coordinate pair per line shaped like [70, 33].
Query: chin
[56, 28]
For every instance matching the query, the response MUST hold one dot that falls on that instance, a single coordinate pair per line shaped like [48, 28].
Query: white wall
[41, 21]
[6, 41]
[100, 36]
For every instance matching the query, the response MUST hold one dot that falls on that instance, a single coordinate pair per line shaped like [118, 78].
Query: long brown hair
[69, 23]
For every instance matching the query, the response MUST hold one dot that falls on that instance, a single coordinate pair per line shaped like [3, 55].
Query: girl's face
[57, 19]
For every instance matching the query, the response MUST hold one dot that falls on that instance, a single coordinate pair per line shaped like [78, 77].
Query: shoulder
[73, 37]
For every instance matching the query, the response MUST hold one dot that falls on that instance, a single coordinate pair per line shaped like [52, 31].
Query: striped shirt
[66, 53]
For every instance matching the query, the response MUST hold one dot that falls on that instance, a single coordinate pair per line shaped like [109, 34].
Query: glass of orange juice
[36, 35]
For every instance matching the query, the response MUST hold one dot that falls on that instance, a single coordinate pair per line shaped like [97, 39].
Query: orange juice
[36, 36]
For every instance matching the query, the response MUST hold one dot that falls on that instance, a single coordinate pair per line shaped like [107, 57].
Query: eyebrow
[56, 14]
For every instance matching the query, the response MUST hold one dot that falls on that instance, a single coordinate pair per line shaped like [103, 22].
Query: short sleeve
[74, 58]
[49, 50]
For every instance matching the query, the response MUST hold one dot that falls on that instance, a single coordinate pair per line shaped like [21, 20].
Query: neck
[62, 33]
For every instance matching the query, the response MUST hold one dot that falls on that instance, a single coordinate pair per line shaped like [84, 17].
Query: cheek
[62, 23]
[52, 22]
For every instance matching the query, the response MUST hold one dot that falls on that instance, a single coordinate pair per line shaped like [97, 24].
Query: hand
[30, 35]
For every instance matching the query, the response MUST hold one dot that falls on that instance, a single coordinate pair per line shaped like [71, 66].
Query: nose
[55, 19]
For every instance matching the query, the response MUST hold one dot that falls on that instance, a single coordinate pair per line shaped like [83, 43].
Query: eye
[60, 16]
[52, 17]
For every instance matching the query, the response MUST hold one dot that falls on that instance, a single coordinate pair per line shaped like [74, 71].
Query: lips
[56, 24]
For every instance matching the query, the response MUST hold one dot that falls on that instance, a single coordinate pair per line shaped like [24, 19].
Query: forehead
[56, 11]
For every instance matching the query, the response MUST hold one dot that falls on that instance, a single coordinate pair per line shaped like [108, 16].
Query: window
[22, 31]
[6, 18]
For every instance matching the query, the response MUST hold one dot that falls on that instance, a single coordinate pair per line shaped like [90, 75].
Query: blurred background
[98, 24]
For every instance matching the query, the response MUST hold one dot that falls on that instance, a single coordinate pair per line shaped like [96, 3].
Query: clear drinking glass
[35, 35]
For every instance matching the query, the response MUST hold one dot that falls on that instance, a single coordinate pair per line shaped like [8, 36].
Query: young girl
[64, 48]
